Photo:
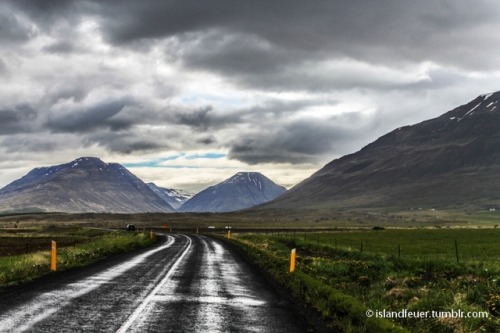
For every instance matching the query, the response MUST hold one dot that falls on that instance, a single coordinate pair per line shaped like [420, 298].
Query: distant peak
[488, 95]
[247, 173]
[242, 176]
[88, 160]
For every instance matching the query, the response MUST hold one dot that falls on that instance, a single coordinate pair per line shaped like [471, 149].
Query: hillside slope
[449, 161]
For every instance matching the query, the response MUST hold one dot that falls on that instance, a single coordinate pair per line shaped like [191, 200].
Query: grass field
[425, 260]
[26, 252]
[345, 274]
[264, 219]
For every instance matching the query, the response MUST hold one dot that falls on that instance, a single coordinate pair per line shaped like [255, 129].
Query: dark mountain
[174, 198]
[449, 161]
[84, 185]
[243, 190]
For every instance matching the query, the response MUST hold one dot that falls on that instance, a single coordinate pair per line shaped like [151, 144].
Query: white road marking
[24, 317]
[133, 317]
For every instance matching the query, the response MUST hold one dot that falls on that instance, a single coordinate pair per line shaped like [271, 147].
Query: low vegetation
[76, 247]
[346, 274]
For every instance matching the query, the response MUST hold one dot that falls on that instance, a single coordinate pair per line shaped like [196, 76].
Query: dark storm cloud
[124, 143]
[61, 47]
[296, 142]
[197, 118]
[12, 27]
[230, 53]
[17, 119]
[25, 144]
[89, 119]
[3, 68]
[48, 11]
[135, 57]
[258, 36]
[260, 32]
[207, 140]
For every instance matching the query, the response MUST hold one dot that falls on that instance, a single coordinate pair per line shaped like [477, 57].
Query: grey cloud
[70, 90]
[296, 142]
[32, 143]
[207, 140]
[124, 143]
[61, 47]
[89, 119]
[3, 68]
[197, 118]
[383, 31]
[16, 119]
[268, 44]
[47, 12]
[234, 54]
[12, 28]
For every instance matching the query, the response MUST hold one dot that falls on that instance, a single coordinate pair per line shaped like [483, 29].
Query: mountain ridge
[86, 184]
[450, 160]
[242, 190]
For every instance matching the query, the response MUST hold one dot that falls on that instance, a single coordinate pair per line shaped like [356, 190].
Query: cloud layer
[284, 86]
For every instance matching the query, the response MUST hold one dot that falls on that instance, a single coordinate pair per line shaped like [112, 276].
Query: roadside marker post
[293, 256]
[53, 257]
[229, 234]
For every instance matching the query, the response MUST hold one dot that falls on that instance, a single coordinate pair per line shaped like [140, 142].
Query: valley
[409, 222]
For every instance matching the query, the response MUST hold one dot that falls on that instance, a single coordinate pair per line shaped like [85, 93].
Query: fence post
[456, 251]
[293, 256]
[53, 257]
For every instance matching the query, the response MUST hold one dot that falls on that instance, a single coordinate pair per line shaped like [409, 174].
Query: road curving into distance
[186, 283]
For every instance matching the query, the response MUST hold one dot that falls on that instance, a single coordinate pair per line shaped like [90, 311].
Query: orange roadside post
[293, 256]
[53, 257]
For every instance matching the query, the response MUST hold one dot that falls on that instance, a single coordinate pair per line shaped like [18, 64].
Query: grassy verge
[343, 311]
[24, 268]
[343, 281]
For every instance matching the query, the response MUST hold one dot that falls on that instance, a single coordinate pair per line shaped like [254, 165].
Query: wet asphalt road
[187, 283]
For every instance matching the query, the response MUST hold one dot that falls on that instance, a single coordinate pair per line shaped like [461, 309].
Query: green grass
[26, 267]
[473, 244]
[342, 282]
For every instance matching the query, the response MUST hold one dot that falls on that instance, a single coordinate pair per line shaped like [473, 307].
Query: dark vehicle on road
[130, 227]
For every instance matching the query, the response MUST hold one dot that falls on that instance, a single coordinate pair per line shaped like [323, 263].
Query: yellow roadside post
[229, 234]
[152, 234]
[293, 255]
[53, 257]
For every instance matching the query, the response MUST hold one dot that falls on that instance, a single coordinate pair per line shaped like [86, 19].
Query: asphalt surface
[186, 283]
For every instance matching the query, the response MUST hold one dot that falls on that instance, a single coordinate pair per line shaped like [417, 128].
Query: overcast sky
[187, 93]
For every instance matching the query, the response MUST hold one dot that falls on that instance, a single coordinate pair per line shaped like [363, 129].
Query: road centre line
[133, 317]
